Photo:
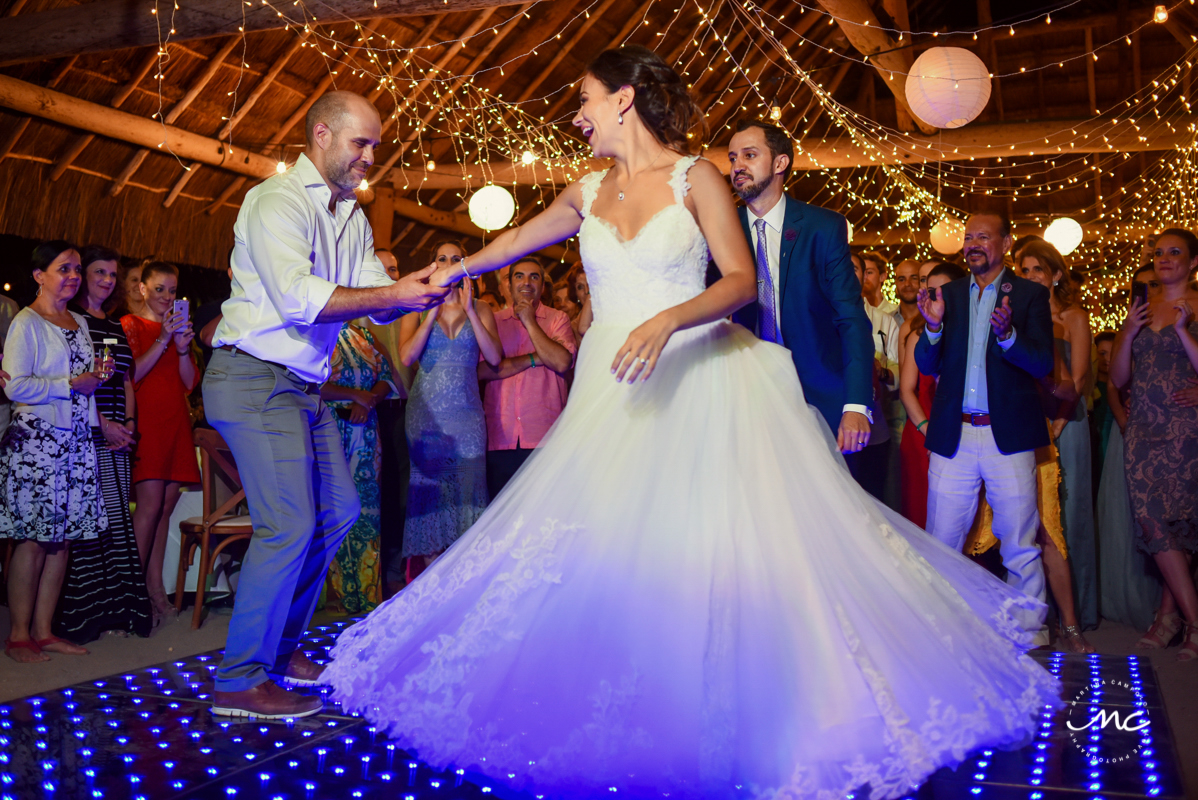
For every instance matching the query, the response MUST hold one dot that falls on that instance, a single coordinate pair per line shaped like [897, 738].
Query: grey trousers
[302, 502]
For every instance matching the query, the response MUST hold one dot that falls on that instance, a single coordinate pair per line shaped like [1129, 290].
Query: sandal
[28, 644]
[164, 610]
[1162, 632]
[44, 644]
[1189, 645]
[1073, 641]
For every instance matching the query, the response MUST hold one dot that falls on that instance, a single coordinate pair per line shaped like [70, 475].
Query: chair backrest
[216, 462]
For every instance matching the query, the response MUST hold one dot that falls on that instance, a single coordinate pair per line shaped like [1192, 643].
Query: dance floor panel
[149, 734]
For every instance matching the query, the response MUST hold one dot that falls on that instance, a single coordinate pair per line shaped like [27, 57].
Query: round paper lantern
[948, 87]
[947, 236]
[1064, 234]
[492, 207]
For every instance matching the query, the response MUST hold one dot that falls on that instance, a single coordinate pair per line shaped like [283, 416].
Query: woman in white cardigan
[49, 486]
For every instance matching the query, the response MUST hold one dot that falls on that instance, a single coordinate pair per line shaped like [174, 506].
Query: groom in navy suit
[809, 298]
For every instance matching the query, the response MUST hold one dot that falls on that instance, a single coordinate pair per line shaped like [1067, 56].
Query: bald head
[343, 130]
[336, 110]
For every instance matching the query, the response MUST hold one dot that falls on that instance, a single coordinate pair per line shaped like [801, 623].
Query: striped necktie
[767, 324]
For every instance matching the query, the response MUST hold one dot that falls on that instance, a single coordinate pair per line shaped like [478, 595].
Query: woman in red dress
[164, 374]
[917, 391]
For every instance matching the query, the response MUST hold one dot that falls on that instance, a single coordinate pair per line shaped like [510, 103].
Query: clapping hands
[931, 306]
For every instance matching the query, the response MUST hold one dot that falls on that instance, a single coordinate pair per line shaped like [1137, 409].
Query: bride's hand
[638, 357]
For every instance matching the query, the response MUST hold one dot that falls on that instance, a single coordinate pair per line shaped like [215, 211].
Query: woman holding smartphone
[1155, 355]
[164, 373]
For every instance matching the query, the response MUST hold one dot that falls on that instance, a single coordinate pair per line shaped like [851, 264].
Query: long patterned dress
[354, 578]
[104, 589]
[447, 443]
[49, 485]
[1161, 455]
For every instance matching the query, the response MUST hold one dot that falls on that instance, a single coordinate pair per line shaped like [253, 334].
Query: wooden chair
[218, 524]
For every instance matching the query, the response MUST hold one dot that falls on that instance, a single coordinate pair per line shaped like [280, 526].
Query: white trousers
[1010, 480]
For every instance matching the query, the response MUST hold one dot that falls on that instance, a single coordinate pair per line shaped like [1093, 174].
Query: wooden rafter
[64, 109]
[297, 115]
[267, 80]
[79, 143]
[193, 91]
[861, 26]
[118, 24]
[10, 142]
[483, 55]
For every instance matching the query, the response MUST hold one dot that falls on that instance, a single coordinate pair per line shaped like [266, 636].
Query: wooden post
[381, 215]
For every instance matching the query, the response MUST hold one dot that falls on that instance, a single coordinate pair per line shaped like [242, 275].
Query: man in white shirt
[808, 298]
[873, 280]
[303, 262]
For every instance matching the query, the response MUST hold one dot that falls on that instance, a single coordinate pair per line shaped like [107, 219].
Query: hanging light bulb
[281, 167]
[1160, 15]
[364, 185]
[432, 165]
[528, 157]
[775, 113]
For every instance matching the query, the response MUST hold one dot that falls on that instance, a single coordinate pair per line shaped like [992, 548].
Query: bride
[683, 593]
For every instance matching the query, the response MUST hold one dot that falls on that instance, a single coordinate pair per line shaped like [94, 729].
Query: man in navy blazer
[989, 341]
[806, 276]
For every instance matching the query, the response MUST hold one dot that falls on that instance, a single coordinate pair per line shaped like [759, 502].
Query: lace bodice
[663, 265]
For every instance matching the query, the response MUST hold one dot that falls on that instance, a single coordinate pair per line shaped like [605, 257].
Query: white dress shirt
[289, 254]
[775, 218]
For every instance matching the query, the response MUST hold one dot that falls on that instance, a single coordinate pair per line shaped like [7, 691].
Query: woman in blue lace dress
[447, 433]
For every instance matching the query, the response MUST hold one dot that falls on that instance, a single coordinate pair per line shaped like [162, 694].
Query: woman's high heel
[1189, 645]
[1162, 632]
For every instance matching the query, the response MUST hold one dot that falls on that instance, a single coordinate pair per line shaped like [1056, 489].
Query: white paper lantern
[492, 207]
[1064, 234]
[948, 87]
[947, 236]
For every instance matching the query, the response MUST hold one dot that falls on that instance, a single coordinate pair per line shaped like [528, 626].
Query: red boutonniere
[1006, 287]
[790, 235]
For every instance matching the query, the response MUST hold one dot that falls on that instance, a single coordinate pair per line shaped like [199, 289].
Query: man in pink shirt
[527, 391]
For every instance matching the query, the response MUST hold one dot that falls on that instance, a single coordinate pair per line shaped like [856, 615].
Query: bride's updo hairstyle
[660, 97]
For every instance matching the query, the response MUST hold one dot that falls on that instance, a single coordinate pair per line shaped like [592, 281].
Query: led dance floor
[148, 734]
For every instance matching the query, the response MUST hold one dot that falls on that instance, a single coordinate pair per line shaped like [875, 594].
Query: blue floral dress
[49, 484]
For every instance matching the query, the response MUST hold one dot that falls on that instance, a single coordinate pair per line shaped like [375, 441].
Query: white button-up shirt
[775, 218]
[289, 254]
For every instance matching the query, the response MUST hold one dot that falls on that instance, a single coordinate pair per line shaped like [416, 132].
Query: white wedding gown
[684, 594]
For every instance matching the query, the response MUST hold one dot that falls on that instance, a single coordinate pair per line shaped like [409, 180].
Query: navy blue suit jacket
[1012, 375]
[823, 315]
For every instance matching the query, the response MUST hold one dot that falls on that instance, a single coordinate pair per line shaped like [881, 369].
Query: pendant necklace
[620, 193]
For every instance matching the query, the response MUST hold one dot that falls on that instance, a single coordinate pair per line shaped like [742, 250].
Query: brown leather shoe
[265, 701]
[302, 671]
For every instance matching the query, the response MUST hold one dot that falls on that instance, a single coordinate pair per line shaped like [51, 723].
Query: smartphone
[1139, 292]
[181, 307]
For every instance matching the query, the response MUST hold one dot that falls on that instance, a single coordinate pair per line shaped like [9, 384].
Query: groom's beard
[751, 191]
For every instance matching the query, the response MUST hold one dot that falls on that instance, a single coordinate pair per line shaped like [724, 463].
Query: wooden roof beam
[79, 143]
[100, 120]
[118, 24]
[861, 26]
[1000, 140]
[297, 115]
[6, 147]
[197, 86]
[267, 80]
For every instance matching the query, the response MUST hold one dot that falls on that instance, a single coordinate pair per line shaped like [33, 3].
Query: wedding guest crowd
[1063, 460]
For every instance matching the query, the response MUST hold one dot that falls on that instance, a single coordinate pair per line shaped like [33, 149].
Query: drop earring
[620, 117]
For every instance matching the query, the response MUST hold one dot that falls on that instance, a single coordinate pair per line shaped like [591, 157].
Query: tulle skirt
[683, 593]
